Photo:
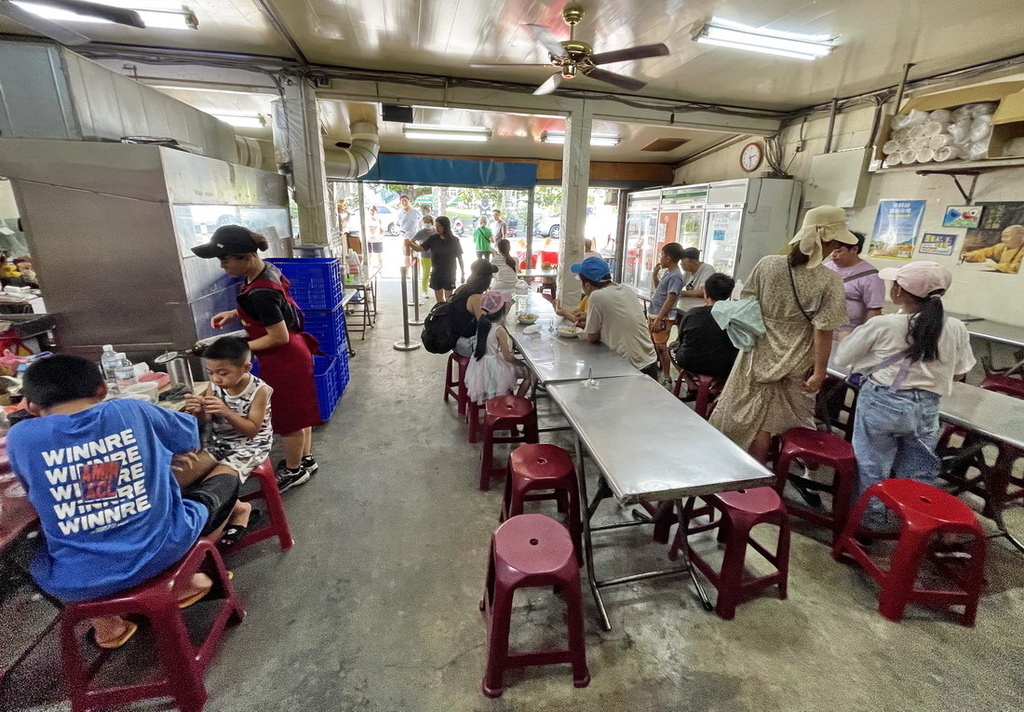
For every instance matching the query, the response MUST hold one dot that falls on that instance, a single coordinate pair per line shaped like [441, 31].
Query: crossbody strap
[865, 273]
[792, 282]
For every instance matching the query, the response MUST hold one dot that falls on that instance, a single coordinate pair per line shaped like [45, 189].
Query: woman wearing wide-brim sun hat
[772, 386]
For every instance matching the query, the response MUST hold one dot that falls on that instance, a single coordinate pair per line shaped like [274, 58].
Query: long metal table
[649, 447]
[995, 417]
[555, 358]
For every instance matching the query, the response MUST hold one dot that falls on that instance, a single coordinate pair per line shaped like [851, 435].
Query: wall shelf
[955, 169]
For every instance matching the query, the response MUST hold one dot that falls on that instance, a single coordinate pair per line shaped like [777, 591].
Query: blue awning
[418, 170]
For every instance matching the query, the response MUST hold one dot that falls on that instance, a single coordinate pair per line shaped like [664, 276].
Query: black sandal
[234, 533]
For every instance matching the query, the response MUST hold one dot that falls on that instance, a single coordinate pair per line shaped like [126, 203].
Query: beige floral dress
[764, 390]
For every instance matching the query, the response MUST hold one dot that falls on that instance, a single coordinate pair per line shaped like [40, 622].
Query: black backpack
[439, 328]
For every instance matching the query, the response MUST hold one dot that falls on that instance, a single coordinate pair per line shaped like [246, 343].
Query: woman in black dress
[445, 251]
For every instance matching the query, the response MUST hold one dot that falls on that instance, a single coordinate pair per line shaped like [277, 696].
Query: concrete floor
[375, 609]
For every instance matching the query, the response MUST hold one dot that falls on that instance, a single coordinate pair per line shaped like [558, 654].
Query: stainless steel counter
[995, 415]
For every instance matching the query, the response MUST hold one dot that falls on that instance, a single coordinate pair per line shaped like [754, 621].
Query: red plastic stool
[271, 495]
[157, 600]
[542, 472]
[708, 390]
[924, 511]
[741, 511]
[473, 410]
[530, 551]
[512, 413]
[816, 447]
[455, 386]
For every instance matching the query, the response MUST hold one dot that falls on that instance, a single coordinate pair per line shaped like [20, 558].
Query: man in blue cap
[615, 316]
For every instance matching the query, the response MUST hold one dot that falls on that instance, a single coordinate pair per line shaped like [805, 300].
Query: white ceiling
[443, 37]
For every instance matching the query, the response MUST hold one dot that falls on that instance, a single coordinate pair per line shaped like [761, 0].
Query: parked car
[548, 227]
[388, 220]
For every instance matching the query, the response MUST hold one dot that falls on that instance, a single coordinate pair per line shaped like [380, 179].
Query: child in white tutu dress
[493, 370]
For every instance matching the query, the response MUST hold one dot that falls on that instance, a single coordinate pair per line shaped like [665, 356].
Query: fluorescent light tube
[242, 121]
[446, 133]
[558, 137]
[182, 19]
[783, 44]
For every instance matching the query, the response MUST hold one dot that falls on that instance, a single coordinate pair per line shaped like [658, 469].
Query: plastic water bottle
[109, 362]
[125, 374]
[522, 298]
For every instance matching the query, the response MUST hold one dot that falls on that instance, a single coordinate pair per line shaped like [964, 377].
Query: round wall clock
[751, 157]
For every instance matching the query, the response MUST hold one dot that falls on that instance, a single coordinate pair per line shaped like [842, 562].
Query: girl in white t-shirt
[910, 360]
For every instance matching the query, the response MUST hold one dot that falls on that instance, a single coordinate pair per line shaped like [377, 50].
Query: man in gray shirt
[408, 218]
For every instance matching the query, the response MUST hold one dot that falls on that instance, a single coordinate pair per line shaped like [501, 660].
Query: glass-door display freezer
[722, 226]
[642, 238]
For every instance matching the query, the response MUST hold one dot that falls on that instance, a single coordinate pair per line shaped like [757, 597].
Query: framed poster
[997, 244]
[936, 244]
[896, 227]
[962, 216]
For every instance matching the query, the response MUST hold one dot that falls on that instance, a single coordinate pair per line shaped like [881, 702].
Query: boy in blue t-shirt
[99, 476]
[662, 314]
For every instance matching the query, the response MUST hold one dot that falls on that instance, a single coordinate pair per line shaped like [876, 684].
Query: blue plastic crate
[341, 363]
[315, 281]
[329, 328]
[329, 378]
[325, 373]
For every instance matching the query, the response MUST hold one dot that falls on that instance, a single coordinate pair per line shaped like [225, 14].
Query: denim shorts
[895, 433]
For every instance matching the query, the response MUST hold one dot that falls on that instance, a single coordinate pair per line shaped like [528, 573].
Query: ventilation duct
[356, 160]
[255, 153]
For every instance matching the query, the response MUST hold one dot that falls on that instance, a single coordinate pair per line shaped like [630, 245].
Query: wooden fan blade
[623, 82]
[550, 85]
[45, 27]
[624, 55]
[509, 64]
[120, 15]
[541, 34]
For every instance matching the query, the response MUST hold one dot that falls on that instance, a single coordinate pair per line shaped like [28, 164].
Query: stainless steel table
[649, 447]
[364, 284]
[557, 358]
[989, 416]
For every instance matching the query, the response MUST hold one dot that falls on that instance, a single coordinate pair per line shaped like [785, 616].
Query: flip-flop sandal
[200, 595]
[114, 643]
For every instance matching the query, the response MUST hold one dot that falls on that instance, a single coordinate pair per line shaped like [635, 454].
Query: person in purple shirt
[865, 290]
[113, 510]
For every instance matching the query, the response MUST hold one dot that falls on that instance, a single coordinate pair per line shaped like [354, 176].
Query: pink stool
[543, 472]
[924, 511]
[455, 385]
[530, 551]
[514, 414]
[708, 390]
[816, 447]
[157, 600]
[741, 511]
[271, 495]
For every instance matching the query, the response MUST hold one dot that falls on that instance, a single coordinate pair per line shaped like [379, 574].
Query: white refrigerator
[747, 219]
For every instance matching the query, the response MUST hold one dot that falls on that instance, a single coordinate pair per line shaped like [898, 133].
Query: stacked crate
[316, 287]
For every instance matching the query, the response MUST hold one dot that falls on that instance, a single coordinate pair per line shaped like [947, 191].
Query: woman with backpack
[909, 361]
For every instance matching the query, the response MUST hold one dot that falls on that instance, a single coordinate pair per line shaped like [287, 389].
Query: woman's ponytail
[926, 327]
[483, 329]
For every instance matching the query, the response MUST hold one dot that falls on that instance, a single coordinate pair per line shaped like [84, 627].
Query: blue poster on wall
[896, 227]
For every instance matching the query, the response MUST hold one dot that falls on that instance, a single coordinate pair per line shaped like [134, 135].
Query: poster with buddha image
[997, 244]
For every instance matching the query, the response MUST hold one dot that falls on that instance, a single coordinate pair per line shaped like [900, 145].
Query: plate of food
[569, 331]
[527, 318]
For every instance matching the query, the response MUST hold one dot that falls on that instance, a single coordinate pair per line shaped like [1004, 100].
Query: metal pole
[903, 86]
[416, 291]
[831, 125]
[405, 345]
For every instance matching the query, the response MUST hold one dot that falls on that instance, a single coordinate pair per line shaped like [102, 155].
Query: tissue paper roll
[924, 155]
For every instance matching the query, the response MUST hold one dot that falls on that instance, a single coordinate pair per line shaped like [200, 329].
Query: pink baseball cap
[492, 302]
[922, 279]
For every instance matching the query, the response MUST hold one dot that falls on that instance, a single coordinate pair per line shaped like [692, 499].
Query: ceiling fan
[574, 57]
[59, 33]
